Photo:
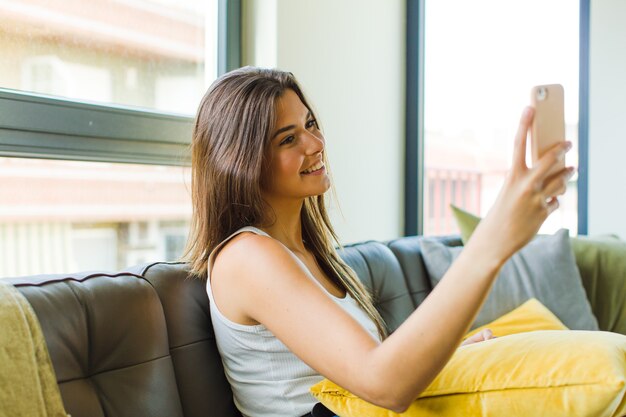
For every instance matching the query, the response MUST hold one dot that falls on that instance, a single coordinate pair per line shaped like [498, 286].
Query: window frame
[583, 118]
[38, 126]
[414, 120]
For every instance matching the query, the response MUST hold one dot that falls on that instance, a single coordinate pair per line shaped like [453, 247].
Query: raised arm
[278, 293]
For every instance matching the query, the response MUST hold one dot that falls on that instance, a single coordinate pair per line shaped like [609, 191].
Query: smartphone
[548, 126]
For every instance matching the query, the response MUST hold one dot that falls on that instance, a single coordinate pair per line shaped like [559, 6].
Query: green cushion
[466, 221]
[601, 261]
[602, 265]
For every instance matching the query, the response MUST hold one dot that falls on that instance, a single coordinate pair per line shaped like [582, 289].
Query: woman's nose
[314, 143]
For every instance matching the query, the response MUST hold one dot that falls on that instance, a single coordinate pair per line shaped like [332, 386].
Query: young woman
[285, 309]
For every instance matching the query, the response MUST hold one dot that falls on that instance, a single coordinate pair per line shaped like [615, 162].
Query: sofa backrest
[204, 390]
[140, 342]
[108, 342]
[395, 274]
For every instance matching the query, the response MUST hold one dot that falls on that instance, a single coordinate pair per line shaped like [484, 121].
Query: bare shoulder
[245, 265]
[247, 251]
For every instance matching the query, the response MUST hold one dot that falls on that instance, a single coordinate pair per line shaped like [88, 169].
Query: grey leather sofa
[139, 343]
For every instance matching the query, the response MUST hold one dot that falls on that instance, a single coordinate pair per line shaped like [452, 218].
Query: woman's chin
[319, 191]
[326, 186]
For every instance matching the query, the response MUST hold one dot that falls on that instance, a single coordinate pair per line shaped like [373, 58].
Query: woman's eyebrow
[286, 128]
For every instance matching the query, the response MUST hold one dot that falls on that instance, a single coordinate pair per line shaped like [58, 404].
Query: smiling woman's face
[295, 153]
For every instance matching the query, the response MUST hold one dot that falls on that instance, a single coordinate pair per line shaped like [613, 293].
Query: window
[62, 216]
[151, 54]
[112, 80]
[97, 100]
[480, 61]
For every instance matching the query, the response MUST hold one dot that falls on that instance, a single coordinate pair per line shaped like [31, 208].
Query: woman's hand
[528, 197]
[481, 336]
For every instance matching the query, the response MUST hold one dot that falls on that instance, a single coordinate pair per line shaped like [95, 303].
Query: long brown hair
[229, 150]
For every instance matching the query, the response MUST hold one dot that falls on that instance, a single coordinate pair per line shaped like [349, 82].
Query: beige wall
[349, 56]
[607, 118]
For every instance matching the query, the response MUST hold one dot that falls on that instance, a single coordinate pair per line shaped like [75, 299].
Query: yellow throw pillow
[530, 316]
[537, 373]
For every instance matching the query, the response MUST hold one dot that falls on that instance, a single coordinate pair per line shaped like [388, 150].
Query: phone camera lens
[542, 93]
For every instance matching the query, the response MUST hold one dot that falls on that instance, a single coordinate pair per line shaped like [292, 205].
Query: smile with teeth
[315, 167]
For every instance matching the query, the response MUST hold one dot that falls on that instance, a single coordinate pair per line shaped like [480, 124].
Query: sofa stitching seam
[208, 339]
[115, 369]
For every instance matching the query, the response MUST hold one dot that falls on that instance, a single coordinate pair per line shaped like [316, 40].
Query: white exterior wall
[607, 118]
[349, 57]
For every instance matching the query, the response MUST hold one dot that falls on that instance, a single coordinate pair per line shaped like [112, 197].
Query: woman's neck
[288, 226]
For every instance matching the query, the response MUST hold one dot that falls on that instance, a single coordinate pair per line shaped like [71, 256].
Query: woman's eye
[291, 138]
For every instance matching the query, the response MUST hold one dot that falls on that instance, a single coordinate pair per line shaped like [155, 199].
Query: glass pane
[481, 60]
[65, 216]
[155, 54]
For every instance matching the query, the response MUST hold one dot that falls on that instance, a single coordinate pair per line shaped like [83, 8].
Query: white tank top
[266, 378]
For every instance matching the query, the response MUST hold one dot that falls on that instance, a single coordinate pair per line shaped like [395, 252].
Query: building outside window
[147, 55]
